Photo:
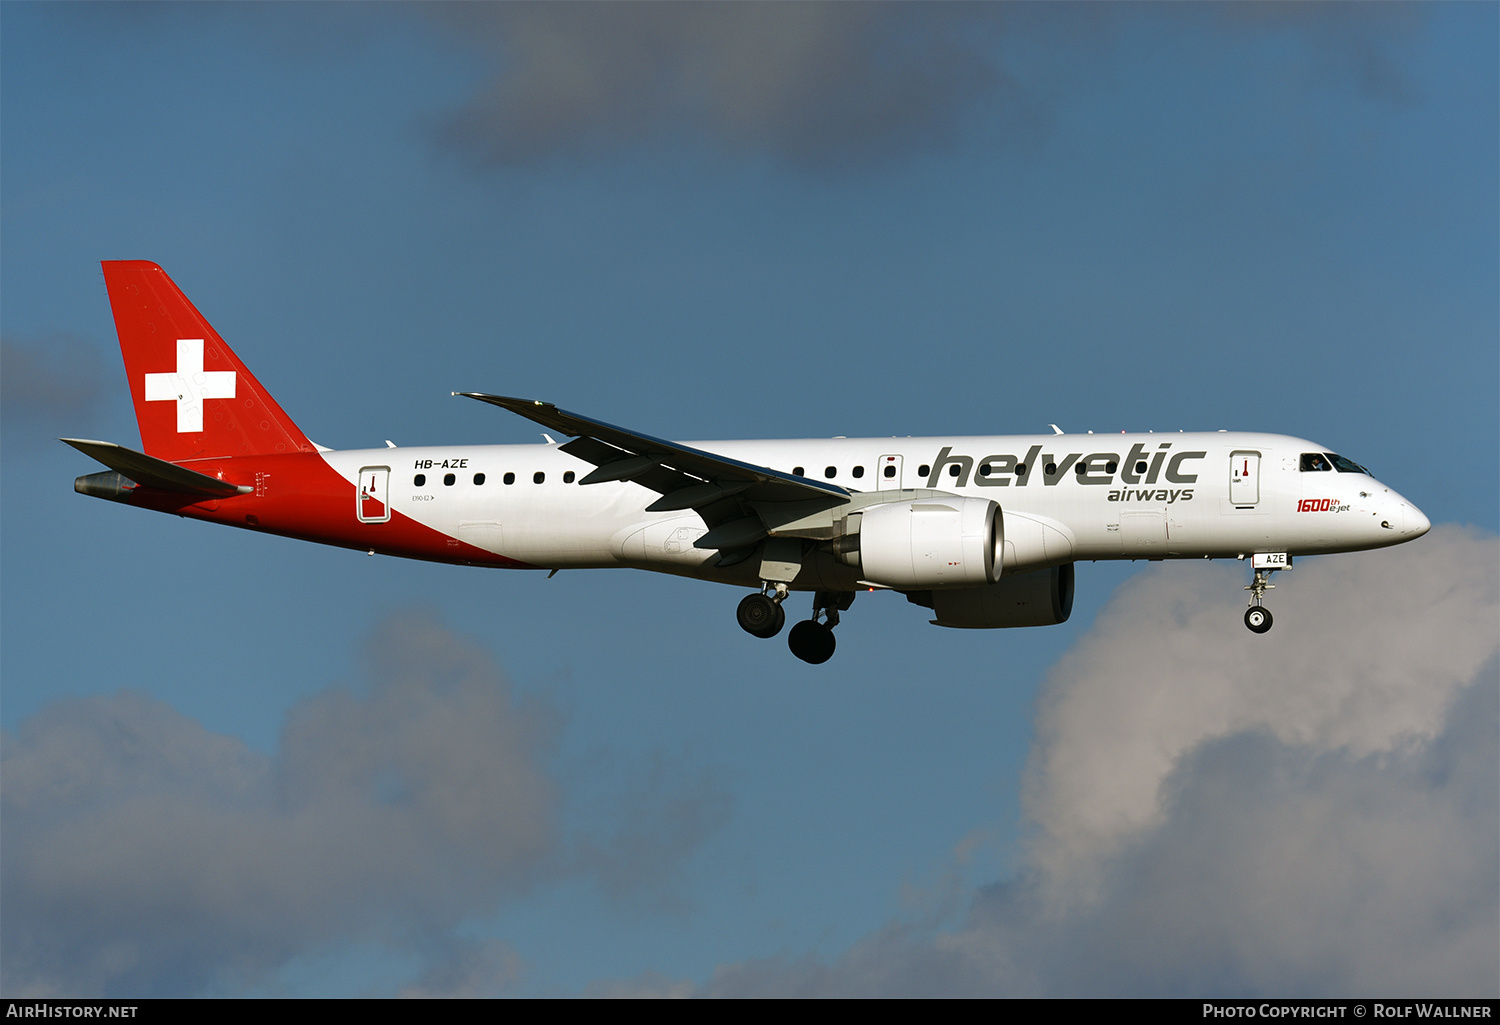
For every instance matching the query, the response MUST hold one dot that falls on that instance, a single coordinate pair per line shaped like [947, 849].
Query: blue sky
[749, 221]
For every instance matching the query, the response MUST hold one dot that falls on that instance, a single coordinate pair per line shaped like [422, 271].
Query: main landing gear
[810, 640]
[761, 615]
[1257, 616]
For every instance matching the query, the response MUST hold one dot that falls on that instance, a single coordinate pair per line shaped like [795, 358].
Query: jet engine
[1042, 597]
[938, 542]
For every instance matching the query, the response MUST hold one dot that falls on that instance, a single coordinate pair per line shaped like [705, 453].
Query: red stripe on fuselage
[299, 495]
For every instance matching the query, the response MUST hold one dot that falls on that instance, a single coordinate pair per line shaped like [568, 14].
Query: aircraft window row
[1317, 462]
[831, 472]
[1311, 461]
[420, 480]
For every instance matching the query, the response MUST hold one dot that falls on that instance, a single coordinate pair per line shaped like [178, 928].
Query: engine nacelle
[937, 542]
[1042, 597]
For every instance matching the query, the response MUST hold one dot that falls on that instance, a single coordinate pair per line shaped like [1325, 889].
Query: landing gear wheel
[760, 616]
[1258, 618]
[811, 641]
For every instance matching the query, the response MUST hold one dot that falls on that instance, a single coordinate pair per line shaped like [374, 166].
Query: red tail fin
[193, 397]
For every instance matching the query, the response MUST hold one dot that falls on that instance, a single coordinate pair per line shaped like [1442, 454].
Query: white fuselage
[1139, 496]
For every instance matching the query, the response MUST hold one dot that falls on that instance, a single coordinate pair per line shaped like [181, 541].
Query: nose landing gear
[1257, 616]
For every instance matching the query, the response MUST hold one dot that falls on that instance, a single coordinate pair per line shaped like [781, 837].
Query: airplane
[982, 531]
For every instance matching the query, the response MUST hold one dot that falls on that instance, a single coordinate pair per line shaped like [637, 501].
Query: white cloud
[827, 86]
[466, 970]
[1309, 812]
[57, 384]
[144, 854]
[812, 83]
[1366, 657]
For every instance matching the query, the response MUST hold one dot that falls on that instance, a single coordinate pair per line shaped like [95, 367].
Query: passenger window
[953, 469]
[448, 479]
[1314, 461]
[796, 471]
[479, 478]
[923, 470]
[1080, 468]
[858, 471]
[1111, 467]
[509, 478]
[1020, 469]
[419, 479]
[1140, 467]
[538, 477]
[984, 469]
[568, 477]
[830, 472]
[890, 471]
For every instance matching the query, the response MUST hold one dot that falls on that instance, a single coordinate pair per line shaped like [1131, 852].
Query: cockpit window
[1343, 465]
[1315, 461]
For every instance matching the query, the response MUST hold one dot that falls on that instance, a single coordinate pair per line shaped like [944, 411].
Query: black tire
[760, 616]
[812, 642]
[1258, 618]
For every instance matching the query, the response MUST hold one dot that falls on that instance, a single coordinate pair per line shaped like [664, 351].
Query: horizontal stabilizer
[151, 472]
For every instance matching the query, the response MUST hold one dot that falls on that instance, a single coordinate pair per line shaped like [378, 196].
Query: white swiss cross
[190, 385]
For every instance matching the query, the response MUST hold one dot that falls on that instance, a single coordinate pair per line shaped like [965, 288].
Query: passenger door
[1244, 479]
[373, 504]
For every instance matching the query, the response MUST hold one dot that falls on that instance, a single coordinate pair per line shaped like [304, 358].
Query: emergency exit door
[888, 473]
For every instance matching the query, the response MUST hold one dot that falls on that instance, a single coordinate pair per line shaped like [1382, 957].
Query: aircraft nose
[1414, 522]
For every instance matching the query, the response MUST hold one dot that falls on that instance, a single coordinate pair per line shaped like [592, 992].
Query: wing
[722, 490]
